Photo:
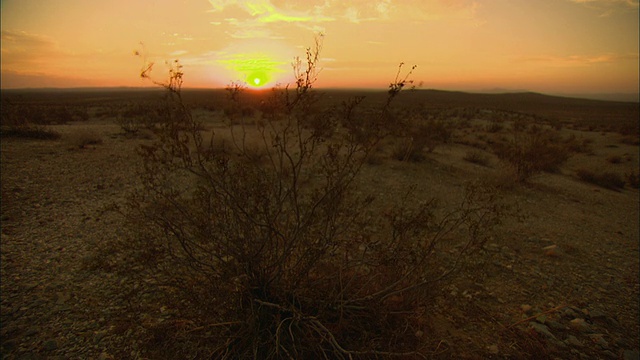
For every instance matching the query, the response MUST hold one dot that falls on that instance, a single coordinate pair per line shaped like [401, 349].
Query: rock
[579, 324]
[31, 331]
[542, 330]
[493, 349]
[105, 356]
[573, 341]
[50, 345]
[555, 325]
[552, 250]
[568, 312]
[598, 339]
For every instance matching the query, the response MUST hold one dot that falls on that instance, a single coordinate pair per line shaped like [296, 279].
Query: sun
[257, 78]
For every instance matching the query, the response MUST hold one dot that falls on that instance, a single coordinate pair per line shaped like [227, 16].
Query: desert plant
[83, 138]
[532, 151]
[633, 179]
[477, 157]
[607, 179]
[417, 135]
[17, 121]
[284, 257]
[614, 159]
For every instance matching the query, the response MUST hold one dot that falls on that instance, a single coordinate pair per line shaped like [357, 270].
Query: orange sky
[550, 46]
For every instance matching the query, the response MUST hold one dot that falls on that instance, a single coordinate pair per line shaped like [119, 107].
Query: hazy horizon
[620, 97]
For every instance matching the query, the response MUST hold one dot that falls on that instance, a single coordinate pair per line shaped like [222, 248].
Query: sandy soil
[562, 283]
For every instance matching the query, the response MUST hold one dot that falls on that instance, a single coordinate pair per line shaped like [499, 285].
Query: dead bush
[286, 257]
[532, 151]
[419, 135]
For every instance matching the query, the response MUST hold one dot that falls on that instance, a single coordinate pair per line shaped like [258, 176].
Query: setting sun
[549, 46]
[257, 79]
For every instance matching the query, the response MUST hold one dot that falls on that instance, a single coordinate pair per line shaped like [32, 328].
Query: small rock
[570, 313]
[493, 349]
[105, 356]
[579, 325]
[552, 250]
[50, 345]
[598, 339]
[31, 331]
[542, 330]
[572, 340]
[555, 325]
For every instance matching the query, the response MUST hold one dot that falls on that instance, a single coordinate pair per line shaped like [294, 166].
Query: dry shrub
[83, 138]
[419, 135]
[24, 121]
[632, 179]
[614, 159]
[30, 132]
[607, 179]
[286, 258]
[630, 140]
[532, 151]
[477, 157]
[579, 145]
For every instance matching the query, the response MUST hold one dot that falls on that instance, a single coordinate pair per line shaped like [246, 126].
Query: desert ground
[560, 279]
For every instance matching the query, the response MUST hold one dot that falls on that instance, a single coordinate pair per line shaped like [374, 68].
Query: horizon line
[603, 96]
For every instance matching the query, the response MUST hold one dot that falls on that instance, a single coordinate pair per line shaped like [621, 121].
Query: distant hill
[553, 107]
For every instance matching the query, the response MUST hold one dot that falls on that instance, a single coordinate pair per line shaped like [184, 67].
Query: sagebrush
[266, 247]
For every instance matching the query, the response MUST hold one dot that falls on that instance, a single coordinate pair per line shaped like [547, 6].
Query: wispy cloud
[629, 3]
[22, 50]
[607, 8]
[577, 60]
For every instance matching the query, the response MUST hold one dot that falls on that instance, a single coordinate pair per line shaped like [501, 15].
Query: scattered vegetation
[607, 179]
[24, 122]
[286, 257]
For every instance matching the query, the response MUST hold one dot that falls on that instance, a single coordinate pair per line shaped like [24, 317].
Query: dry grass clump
[286, 257]
[607, 179]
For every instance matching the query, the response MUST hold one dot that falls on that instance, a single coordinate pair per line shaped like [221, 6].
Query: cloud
[578, 60]
[609, 7]
[22, 50]
[628, 3]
